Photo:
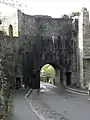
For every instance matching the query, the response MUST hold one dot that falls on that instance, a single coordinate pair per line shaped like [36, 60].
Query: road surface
[22, 110]
[56, 103]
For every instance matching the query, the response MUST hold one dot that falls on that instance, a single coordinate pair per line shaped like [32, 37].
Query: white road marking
[76, 92]
[53, 86]
[40, 116]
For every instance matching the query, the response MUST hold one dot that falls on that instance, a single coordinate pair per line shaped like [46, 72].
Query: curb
[82, 92]
[28, 93]
[33, 109]
[40, 115]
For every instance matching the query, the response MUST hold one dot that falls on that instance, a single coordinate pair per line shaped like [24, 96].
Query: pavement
[22, 110]
[53, 103]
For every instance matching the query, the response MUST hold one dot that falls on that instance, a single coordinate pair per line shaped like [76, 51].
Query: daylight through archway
[47, 74]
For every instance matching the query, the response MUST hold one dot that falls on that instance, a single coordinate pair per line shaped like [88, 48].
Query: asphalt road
[56, 102]
[22, 110]
[71, 106]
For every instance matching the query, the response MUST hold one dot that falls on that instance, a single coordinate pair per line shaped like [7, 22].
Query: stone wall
[86, 48]
[86, 34]
[75, 76]
[9, 51]
[56, 33]
[20, 21]
[27, 25]
[80, 49]
[75, 64]
[9, 43]
[86, 72]
[57, 78]
[42, 25]
[53, 27]
[9, 47]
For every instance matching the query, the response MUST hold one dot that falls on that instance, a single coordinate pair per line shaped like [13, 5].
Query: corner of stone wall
[86, 48]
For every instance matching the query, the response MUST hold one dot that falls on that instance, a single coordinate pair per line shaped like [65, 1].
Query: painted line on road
[76, 92]
[36, 112]
[70, 90]
[28, 93]
[33, 109]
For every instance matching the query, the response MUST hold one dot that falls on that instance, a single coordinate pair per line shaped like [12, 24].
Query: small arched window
[10, 30]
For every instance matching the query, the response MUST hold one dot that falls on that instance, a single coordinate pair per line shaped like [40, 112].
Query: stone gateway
[62, 42]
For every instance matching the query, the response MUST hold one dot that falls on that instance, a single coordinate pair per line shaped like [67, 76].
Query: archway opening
[47, 74]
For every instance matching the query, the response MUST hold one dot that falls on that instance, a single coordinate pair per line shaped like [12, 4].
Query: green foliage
[10, 104]
[48, 71]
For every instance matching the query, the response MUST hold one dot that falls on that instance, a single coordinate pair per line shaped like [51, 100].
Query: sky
[54, 8]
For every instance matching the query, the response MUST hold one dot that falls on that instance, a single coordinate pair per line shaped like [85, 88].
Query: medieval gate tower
[72, 52]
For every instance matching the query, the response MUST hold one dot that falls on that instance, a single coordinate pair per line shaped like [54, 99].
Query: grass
[10, 104]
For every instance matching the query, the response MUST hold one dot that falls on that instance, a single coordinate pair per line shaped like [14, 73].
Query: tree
[48, 70]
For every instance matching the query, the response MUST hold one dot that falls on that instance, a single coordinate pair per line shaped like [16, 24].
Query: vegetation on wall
[7, 74]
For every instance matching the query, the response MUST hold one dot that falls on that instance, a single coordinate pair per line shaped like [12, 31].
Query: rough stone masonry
[74, 35]
[65, 40]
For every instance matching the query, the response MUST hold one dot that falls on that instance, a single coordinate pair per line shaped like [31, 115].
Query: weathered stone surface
[62, 42]
[51, 41]
[55, 41]
[86, 75]
[84, 47]
[9, 47]
[42, 25]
